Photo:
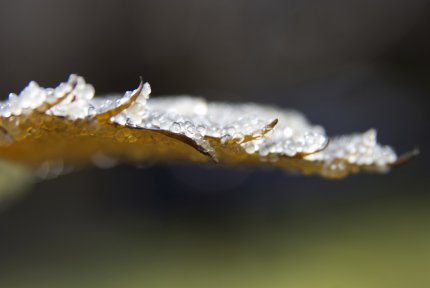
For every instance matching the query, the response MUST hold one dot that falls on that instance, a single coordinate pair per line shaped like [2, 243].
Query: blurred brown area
[348, 65]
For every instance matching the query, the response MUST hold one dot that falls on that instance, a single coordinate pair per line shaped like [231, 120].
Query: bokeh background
[348, 65]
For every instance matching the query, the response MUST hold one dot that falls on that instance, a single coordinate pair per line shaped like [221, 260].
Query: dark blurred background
[348, 65]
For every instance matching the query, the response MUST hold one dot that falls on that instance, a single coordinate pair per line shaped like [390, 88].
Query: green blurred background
[348, 65]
